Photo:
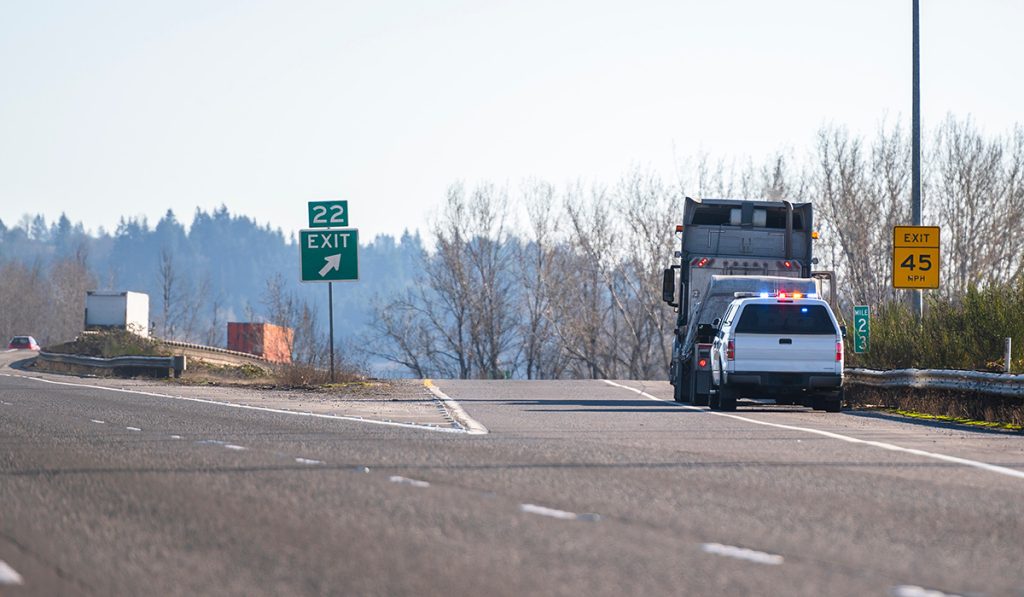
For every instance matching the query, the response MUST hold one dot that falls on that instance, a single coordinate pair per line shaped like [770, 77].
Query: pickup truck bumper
[771, 379]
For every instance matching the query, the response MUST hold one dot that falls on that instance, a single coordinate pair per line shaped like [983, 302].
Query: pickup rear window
[785, 319]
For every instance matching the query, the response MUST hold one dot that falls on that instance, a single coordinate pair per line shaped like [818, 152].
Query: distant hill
[222, 268]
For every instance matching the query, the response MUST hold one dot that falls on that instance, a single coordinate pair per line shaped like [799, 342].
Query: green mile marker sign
[861, 328]
[329, 255]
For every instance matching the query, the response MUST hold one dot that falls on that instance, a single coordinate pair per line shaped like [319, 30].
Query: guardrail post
[179, 365]
[1008, 356]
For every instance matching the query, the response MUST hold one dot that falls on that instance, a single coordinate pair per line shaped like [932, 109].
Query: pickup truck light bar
[782, 296]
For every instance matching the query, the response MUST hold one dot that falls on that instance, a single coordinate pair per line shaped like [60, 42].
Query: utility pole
[915, 133]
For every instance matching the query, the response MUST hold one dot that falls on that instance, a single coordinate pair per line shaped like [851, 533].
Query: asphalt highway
[579, 488]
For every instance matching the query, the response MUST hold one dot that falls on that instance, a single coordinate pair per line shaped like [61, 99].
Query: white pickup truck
[786, 347]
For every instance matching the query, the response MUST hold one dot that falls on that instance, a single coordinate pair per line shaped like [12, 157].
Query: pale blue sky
[111, 108]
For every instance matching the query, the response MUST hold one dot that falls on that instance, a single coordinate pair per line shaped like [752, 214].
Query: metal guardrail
[999, 384]
[177, 363]
[216, 349]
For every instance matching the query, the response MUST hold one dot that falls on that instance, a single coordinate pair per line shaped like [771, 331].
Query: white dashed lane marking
[175, 437]
[741, 553]
[413, 482]
[559, 514]
[133, 429]
[915, 591]
[99, 422]
[8, 575]
[308, 461]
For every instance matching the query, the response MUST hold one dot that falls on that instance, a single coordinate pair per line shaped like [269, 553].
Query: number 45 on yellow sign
[915, 256]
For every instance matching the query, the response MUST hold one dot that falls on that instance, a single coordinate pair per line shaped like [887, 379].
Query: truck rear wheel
[697, 398]
[700, 399]
[681, 390]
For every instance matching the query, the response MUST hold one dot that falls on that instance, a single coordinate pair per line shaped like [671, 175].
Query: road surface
[579, 488]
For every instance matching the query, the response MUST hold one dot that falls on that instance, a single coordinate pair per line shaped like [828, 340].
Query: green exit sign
[329, 255]
[328, 214]
[861, 328]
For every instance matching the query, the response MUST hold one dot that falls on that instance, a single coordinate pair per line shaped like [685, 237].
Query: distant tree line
[573, 290]
[222, 268]
[537, 281]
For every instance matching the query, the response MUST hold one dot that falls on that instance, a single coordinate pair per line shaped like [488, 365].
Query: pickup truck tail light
[730, 351]
[839, 351]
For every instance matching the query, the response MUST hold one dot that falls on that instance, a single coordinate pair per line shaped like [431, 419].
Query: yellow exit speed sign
[915, 257]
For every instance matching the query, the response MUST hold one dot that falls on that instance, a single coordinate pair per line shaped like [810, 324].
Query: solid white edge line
[471, 425]
[742, 553]
[249, 407]
[992, 468]
[8, 575]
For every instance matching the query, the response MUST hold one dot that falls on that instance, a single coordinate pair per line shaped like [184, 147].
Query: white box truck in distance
[122, 310]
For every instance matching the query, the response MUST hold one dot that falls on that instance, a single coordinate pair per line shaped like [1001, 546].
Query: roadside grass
[109, 344]
[271, 376]
[116, 343]
[967, 333]
[957, 420]
[296, 375]
[965, 408]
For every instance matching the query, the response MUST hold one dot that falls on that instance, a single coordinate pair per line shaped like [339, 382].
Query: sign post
[329, 254]
[915, 256]
[861, 328]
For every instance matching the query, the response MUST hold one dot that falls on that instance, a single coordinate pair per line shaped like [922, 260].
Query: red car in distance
[23, 343]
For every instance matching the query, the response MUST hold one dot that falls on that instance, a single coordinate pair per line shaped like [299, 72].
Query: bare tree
[649, 211]
[860, 199]
[977, 186]
[463, 318]
[583, 316]
[70, 279]
[536, 272]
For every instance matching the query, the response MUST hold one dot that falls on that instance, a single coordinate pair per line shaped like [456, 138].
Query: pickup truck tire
[726, 398]
[830, 403]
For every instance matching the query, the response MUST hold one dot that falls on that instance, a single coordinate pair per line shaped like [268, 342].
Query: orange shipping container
[272, 342]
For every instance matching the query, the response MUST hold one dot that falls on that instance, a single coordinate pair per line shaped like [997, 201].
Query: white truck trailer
[117, 310]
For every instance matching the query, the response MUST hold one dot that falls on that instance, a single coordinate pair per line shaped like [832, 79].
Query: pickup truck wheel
[832, 403]
[726, 398]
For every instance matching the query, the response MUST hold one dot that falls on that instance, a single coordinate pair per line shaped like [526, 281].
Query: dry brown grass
[942, 403]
